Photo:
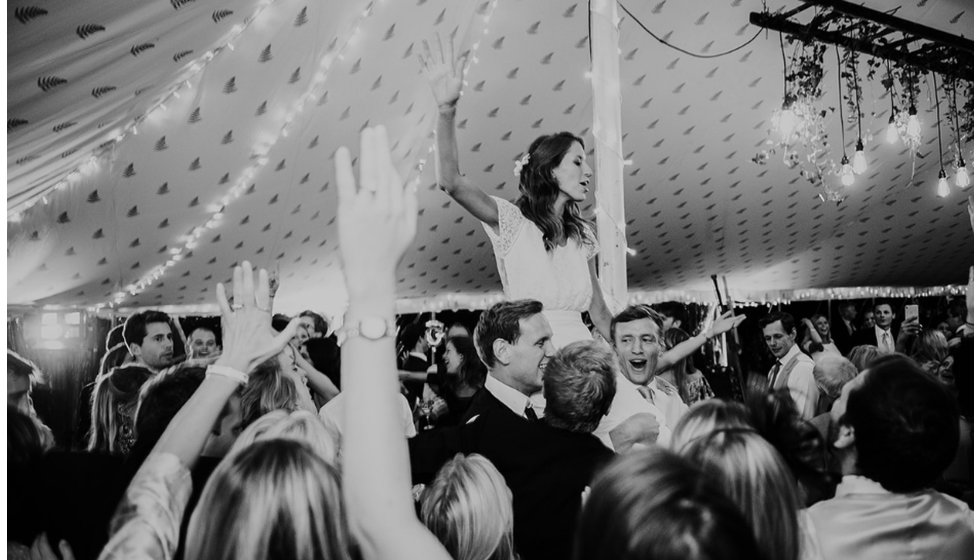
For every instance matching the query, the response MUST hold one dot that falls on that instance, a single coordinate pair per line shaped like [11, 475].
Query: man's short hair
[635, 313]
[579, 385]
[881, 302]
[957, 308]
[410, 334]
[831, 372]
[206, 327]
[134, 331]
[675, 310]
[906, 429]
[320, 324]
[502, 321]
[787, 320]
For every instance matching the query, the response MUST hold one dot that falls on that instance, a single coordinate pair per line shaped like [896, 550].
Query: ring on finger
[237, 306]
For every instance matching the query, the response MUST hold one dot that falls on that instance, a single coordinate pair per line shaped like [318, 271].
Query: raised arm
[445, 74]
[147, 521]
[248, 341]
[376, 223]
[318, 380]
[598, 310]
[724, 324]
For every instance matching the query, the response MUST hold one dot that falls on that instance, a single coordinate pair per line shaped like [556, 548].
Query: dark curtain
[63, 373]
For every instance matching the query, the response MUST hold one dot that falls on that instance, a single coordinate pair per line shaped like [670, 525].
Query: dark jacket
[545, 468]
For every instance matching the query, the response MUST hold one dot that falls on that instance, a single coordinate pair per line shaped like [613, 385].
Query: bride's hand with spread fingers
[444, 72]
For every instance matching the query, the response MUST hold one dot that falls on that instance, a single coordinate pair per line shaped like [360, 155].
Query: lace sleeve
[510, 220]
[591, 244]
[147, 521]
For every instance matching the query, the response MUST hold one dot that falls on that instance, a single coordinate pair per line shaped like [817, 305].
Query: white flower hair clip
[520, 163]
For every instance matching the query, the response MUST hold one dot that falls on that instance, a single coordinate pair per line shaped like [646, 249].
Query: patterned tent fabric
[162, 142]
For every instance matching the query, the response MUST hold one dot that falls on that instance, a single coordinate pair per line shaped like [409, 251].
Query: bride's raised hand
[444, 71]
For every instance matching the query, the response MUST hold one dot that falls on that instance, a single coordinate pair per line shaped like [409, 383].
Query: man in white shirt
[793, 369]
[638, 342]
[894, 429]
[888, 336]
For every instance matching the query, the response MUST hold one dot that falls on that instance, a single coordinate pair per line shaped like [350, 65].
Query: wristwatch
[370, 327]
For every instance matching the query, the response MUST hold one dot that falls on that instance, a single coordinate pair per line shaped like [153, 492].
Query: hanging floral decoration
[798, 128]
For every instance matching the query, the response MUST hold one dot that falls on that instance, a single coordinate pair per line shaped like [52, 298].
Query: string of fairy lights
[258, 160]
[105, 150]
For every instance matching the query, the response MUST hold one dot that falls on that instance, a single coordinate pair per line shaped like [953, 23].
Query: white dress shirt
[886, 345]
[513, 399]
[802, 387]
[626, 402]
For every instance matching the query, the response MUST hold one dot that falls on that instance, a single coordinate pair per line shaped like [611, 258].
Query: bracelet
[228, 372]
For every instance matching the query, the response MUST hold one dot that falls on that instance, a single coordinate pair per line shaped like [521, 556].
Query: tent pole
[607, 131]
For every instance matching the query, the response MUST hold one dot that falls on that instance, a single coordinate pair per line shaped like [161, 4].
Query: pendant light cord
[939, 123]
[840, 102]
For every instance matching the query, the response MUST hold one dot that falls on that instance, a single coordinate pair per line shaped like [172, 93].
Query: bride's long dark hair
[539, 189]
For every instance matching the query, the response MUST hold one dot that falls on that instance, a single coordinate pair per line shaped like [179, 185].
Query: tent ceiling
[696, 204]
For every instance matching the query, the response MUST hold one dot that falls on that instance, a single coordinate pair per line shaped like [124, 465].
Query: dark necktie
[773, 373]
[530, 414]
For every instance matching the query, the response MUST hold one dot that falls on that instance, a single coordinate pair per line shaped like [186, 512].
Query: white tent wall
[196, 161]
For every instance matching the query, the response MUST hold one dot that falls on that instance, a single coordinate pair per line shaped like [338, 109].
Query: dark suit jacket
[545, 468]
[482, 402]
[842, 338]
[868, 336]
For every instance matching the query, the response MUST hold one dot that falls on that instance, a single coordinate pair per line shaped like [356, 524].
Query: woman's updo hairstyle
[539, 189]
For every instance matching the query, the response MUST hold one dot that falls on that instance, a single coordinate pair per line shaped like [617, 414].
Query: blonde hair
[706, 417]
[758, 481]
[300, 425]
[267, 389]
[114, 403]
[271, 499]
[468, 508]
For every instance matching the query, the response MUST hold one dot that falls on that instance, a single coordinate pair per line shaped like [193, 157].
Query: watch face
[373, 328]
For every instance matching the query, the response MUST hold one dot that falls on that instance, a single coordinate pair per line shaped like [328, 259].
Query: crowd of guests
[279, 437]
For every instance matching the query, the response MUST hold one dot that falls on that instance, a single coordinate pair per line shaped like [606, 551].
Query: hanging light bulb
[913, 128]
[962, 176]
[846, 172]
[891, 135]
[860, 163]
[943, 190]
[787, 121]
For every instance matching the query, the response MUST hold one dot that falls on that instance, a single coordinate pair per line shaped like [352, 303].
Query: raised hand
[42, 550]
[445, 73]
[723, 324]
[246, 325]
[376, 222]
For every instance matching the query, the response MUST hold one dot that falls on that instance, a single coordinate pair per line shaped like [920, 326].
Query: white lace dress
[560, 280]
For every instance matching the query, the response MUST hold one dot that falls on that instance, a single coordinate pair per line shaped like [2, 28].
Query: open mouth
[638, 364]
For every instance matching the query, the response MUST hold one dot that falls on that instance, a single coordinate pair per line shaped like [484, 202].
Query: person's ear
[502, 351]
[845, 437]
[135, 350]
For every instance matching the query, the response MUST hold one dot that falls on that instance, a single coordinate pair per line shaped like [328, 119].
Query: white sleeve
[510, 220]
[803, 390]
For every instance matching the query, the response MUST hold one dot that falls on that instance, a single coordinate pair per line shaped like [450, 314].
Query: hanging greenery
[806, 148]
